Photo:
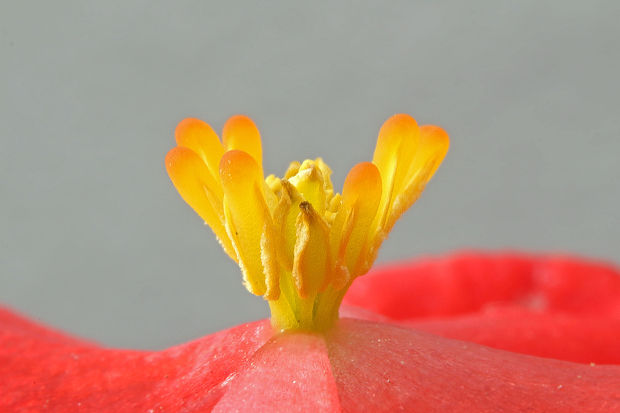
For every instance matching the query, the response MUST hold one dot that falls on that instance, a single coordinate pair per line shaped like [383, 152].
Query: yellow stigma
[299, 244]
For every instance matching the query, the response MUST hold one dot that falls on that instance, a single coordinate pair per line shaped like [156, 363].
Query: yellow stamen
[241, 133]
[198, 136]
[298, 243]
[360, 197]
[200, 190]
[311, 254]
[248, 221]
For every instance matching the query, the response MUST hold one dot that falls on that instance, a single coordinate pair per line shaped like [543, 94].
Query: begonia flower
[468, 333]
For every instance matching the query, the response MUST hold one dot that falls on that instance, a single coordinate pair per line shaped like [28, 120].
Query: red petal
[291, 373]
[551, 306]
[358, 366]
[379, 368]
[44, 370]
[557, 307]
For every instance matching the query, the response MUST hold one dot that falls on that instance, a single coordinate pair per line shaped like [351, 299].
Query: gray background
[95, 240]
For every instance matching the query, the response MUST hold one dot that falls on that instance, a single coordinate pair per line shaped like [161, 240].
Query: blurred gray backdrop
[95, 240]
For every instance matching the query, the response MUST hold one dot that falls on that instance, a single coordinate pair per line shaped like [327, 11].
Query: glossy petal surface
[357, 366]
[549, 306]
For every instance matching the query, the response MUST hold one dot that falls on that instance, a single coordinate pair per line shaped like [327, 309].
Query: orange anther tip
[362, 176]
[189, 127]
[239, 124]
[183, 164]
[240, 132]
[178, 155]
[399, 122]
[398, 133]
[237, 165]
[239, 120]
[435, 133]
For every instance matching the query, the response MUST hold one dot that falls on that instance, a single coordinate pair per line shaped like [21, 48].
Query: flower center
[299, 244]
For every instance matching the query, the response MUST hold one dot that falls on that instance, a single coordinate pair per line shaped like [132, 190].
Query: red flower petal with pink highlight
[360, 366]
[548, 306]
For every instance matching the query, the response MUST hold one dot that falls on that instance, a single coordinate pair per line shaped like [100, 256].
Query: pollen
[299, 243]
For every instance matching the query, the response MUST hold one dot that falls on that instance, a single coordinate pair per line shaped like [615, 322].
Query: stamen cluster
[298, 243]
